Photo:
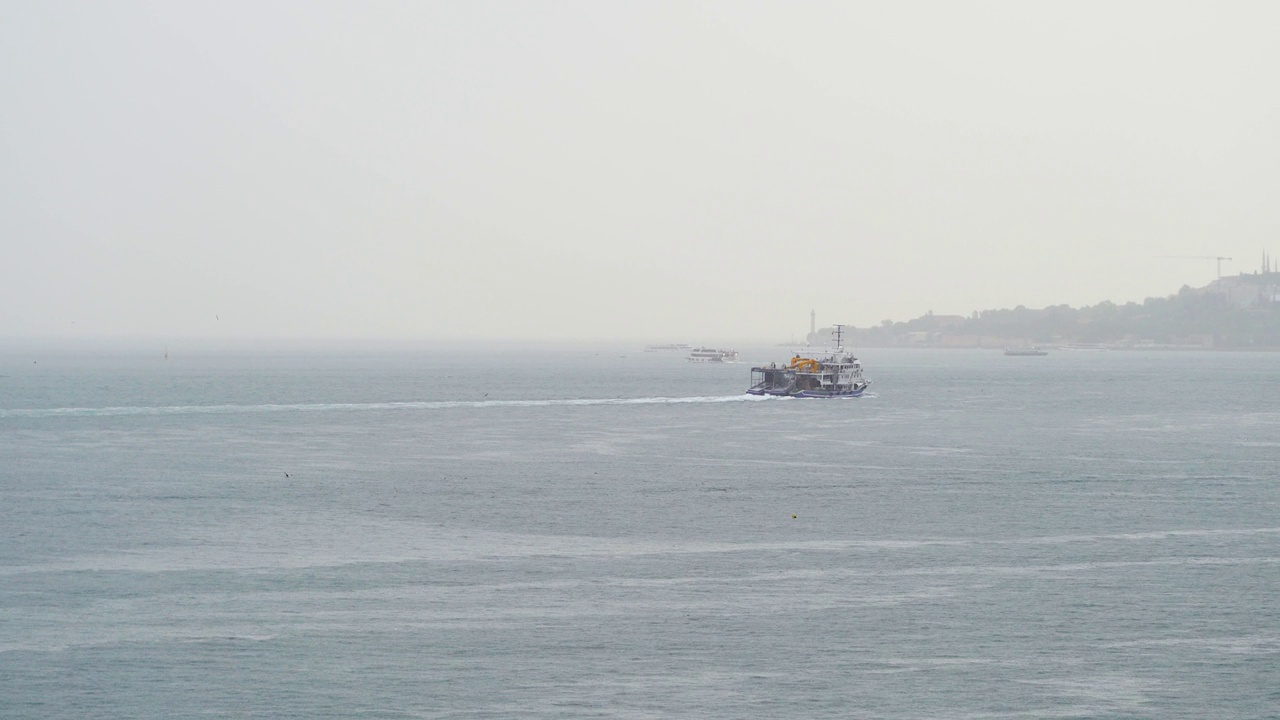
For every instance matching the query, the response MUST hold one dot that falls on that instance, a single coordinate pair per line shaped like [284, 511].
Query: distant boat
[705, 354]
[1025, 351]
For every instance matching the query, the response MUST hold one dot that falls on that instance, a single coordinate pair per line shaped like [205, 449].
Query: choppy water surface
[610, 533]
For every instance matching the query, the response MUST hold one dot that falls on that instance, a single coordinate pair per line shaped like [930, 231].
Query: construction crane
[1219, 258]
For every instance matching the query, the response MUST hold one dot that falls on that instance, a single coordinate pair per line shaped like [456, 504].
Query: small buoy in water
[793, 516]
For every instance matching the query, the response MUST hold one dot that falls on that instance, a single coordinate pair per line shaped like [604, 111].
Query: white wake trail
[336, 407]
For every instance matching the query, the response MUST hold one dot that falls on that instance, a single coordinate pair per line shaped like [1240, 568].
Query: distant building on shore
[1258, 289]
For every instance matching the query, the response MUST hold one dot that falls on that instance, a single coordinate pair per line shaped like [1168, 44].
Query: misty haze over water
[640, 171]
[324, 392]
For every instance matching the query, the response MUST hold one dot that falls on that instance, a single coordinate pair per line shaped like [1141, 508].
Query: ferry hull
[856, 392]
[830, 394]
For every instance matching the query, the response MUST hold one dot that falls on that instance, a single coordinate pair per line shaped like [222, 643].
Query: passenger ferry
[838, 375]
[704, 354]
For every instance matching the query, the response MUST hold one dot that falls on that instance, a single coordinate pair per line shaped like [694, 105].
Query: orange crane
[1219, 258]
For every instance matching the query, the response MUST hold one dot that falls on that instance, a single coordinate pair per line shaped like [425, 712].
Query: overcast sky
[693, 171]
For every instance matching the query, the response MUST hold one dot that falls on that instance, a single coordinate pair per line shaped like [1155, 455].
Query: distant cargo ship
[1027, 351]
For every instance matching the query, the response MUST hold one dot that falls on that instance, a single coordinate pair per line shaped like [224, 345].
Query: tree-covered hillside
[1190, 318]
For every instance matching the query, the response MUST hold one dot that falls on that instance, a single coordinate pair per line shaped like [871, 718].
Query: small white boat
[1025, 351]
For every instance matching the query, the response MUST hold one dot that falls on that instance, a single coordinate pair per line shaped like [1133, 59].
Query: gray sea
[600, 532]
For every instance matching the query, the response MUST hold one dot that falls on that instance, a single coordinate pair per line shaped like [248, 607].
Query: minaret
[813, 322]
